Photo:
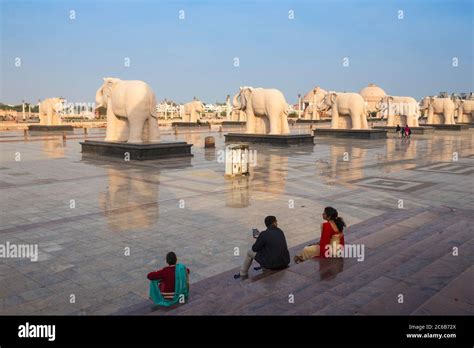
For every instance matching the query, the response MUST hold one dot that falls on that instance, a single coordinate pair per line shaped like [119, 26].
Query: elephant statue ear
[332, 97]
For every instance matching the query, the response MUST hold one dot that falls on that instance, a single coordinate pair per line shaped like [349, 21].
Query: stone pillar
[299, 106]
[23, 109]
[228, 108]
[315, 115]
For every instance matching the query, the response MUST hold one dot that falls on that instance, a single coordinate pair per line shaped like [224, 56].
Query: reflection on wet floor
[330, 268]
[130, 201]
[54, 148]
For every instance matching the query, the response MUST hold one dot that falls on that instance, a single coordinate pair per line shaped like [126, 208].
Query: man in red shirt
[166, 276]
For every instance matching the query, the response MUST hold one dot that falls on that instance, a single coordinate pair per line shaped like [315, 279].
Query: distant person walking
[270, 249]
[407, 131]
[331, 237]
[398, 131]
[169, 285]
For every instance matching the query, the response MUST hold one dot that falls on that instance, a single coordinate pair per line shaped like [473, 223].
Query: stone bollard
[25, 133]
[85, 131]
[209, 143]
[175, 129]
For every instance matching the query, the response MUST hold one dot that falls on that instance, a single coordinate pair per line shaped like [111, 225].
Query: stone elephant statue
[48, 111]
[310, 102]
[465, 110]
[266, 110]
[193, 110]
[400, 110]
[131, 110]
[440, 110]
[348, 110]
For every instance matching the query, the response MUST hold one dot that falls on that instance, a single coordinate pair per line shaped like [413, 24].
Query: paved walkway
[85, 215]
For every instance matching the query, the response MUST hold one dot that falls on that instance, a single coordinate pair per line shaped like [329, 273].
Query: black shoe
[237, 276]
[257, 268]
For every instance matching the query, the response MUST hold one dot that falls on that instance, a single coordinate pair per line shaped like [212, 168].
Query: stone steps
[411, 260]
[204, 297]
[407, 252]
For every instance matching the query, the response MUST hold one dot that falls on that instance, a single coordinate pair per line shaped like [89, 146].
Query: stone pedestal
[68, 129]
[313, 121]
[189, 124]
[140, 152]
[414, 130]
[284, 140]
[469, 124]
[449, 127]
[368, 134]
[233, 123]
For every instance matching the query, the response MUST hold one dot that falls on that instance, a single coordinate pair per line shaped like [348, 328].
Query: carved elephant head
[383, 104]
[328, 101]
[426, 102]
[104, 92]
[242, 98]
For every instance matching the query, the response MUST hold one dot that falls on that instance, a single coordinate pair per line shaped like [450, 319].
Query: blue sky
[181, 59]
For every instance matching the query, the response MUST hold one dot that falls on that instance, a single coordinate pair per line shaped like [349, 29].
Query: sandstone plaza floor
[85, 214]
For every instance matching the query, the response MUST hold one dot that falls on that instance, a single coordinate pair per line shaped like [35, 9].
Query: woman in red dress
[332, 238]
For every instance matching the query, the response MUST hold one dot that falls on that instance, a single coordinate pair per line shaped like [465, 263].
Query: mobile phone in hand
[255, 232]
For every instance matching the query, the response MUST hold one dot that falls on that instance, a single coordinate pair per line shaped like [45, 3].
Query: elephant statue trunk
[235, 102]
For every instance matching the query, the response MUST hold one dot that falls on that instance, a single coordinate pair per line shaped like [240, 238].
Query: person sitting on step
[270, 249]
[169, 285]
[332, 238]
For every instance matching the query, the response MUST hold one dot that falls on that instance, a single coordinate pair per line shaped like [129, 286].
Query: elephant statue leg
[262, 125]
[448, 117]
[334, 118]
[460, 115]
[250, 126]
[136, 128]
[154, 132]
[275, 124]
[306, 113]
[285, 129]
[430, 115]
[364, 122]
[315, 114]
[56, 119]
[112, 124]
[356, 120]
[49, 118]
